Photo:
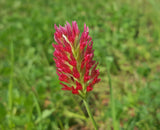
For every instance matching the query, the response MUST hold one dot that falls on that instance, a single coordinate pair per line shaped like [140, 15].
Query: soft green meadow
[125, 32]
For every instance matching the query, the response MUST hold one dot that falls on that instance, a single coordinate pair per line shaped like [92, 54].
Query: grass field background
[123, 30]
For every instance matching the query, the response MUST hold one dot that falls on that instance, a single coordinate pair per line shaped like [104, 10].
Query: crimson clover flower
[73, 56]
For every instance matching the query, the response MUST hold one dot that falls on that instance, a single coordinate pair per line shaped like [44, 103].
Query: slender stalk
[90, 114]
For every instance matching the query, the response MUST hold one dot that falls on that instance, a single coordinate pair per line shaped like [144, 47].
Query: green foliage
[126, 31]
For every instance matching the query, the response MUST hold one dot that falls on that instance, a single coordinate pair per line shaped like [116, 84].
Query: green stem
[90, 114]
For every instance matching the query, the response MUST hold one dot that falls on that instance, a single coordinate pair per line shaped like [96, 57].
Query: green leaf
[45, 114]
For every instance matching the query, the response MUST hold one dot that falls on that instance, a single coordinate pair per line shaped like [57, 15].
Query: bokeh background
[123, 30]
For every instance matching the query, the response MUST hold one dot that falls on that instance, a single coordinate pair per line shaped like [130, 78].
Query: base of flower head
[73, 89]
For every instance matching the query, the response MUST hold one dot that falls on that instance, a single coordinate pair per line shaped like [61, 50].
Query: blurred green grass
[127, 31]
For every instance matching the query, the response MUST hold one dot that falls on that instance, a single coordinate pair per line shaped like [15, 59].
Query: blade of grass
[115, 125]
[38, 110]
[10, 86]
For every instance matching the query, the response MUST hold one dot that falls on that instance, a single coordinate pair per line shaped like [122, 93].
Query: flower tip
[86, 29]
[53, 44]
[55, 26]
[89, 88]
[65, 87]
[74, 23]
[67, 23]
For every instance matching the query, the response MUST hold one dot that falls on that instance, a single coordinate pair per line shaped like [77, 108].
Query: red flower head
[73, 56]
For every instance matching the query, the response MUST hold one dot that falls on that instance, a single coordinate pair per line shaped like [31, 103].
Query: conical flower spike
[73, 56]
